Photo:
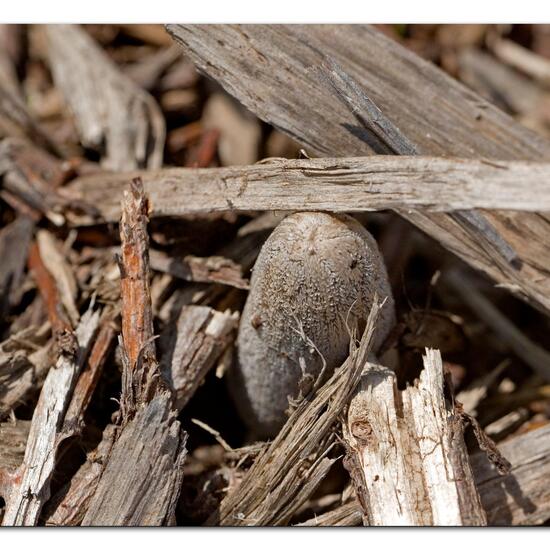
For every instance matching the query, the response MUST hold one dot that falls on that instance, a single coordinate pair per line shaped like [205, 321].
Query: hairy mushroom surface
[315, 279]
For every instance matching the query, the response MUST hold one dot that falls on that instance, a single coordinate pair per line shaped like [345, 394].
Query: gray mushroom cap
[315, 277]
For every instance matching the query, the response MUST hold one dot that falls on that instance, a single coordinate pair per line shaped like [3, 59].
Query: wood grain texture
[519, 498]
[410, 452]
[273, 70]
[523, 496]
[26, 497]
[110, 110]
[193, 344]
[332, 184]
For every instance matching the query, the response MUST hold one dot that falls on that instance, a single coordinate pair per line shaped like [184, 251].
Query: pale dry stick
[528, 351]
[406, 451]
[359, 184]
[520, 498]
[522, 59]
[32, 489]
[435, 112]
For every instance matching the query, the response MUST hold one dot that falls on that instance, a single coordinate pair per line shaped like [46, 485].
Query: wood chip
[109, 108]
[438, 115]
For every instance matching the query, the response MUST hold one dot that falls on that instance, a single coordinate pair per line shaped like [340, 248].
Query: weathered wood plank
[346, 184]
[408, 453]
[273, 70]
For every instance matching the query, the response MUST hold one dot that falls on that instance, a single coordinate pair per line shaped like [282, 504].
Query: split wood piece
[24, 363]
[523, 496]
[60, 322]
[30, 175]
[192, 346]
[527, 351]
[26, 497]
[141, 375]
[61, 272]
[346, 515]
[211, 269]
[406, 451]
[87, 381]
[436, 114]
[70, 504]
[335, 185]
[141, 482]
[142, 475]
[519, 498]
[286, 474]
[109, 108]
[15, 239]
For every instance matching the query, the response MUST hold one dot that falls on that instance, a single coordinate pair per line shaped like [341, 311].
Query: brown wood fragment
[194, 344]
[61, 324]
[69, 506]
[211, 269]
[142, 474]
[336, 185]
[523, 496]
[24, 363]
[61, 272]
[433, 111]
[285, 475]
[31, 489]
[109, 108]
[15, 239]
[87, 381]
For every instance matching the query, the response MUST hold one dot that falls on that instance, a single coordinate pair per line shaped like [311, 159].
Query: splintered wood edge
[410, 451]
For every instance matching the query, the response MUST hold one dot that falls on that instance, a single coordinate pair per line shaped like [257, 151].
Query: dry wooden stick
[521, 58]
[528, 351]
[193, 345]
[346, 184]
[87, 381]
[406, 451]
[437, 114]
[142, 474]
[107, 105]
[211, 269]
[32, 489]
[24, 362]
[284, 476]
[519, 498]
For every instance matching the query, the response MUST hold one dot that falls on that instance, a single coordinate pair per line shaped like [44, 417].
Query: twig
[529, 352]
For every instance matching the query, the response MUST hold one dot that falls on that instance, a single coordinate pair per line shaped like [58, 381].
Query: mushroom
[315, 277]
